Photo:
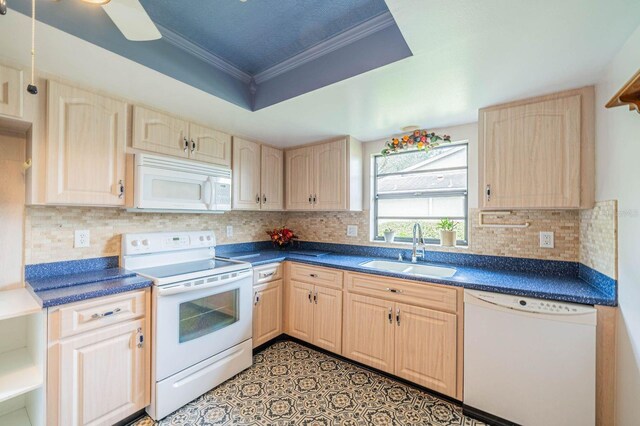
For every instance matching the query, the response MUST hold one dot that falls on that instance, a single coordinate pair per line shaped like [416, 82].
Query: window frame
[421, 194]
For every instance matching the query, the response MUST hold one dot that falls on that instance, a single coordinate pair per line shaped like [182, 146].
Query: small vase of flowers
[389, 235]
[447, 229]
[282, 237]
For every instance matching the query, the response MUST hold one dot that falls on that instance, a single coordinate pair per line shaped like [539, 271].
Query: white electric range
[201, 314]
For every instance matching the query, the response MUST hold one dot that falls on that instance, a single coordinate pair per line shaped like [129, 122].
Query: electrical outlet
[546, 240]
[229, 231]
[81, 238]
[352, 230]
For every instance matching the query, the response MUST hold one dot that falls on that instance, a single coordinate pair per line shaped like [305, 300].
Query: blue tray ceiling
[254, 53]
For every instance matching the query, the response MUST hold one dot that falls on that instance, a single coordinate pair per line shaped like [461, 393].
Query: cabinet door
[330, 180]
[531, 155]
[369, 331]
[246, 175]
[267, 312]
[271, 181]
[426, 348]
[160, 133]
[300, 318]
[298, 178]
[102, 375]
[327, 319]
[209, 145]
[86, 147]
[10, 91]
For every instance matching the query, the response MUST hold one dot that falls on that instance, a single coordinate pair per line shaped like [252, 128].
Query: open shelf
[18, 302]
[18, 417]
[18, 374]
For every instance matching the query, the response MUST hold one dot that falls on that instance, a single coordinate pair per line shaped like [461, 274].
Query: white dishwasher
[529, 361]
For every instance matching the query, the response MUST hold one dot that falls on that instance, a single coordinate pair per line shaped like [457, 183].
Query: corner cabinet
[325, 176]
[11, 92]
[99, 361]
[538, 153]
[257, 176]
[86, 142]
[161, 133]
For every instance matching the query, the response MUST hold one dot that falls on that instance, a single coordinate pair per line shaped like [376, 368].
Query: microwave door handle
[208, 193]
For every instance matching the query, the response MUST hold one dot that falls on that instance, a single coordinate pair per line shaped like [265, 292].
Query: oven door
[193, 325]
[158, 188]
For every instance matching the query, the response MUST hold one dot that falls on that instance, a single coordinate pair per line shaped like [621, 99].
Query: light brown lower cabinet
[267, 312]
[99, 376]
[415, 343]
[315, 315]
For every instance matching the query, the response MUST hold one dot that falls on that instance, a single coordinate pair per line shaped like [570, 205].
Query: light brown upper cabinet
[85, 160]
[161, 133]
[10, 91]
[538, 153]
[324, 176]
[257, 176]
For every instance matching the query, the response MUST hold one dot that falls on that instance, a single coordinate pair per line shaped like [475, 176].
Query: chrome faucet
[417, 242]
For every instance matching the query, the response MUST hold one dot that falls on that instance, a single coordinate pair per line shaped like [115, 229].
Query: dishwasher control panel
[528, 304]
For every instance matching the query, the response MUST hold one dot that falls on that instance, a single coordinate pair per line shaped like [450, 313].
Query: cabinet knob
[310, 197]
[398, 316]
[315, 298]
[309, 296]
[186, 144]
[193, 146]
[264, 199]
[121, 188]
[140, 338]
[390, 316]
[257, 198]
[314, 198]
[488, 192]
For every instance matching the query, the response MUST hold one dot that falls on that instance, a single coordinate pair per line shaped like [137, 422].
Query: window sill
[403, 244]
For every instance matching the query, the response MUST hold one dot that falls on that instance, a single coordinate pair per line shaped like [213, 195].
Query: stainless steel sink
[410, 268]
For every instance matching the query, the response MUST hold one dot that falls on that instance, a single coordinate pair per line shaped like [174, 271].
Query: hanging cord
[31, 88]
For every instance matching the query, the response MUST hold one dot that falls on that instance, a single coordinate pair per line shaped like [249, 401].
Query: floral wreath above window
[419, 140]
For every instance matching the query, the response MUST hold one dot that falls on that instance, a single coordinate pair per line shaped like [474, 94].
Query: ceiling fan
[130, 18]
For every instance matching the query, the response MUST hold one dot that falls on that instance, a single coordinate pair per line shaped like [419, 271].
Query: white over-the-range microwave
[170, 184]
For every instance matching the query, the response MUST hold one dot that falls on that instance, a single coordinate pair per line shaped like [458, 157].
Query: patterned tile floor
[290, 384]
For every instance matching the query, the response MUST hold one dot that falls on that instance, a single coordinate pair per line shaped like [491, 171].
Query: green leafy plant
[447, 225]
[388, 230]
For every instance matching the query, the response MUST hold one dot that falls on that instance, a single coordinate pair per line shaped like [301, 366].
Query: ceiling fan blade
[132, 20]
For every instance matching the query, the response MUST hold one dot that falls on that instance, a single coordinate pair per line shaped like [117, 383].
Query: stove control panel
[166, 241]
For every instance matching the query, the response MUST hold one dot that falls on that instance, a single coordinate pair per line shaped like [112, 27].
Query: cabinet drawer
[79, 317]
[431, 296]
[316, 275]
[267, 273]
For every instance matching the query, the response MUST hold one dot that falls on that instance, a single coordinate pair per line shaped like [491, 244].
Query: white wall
[617, 177]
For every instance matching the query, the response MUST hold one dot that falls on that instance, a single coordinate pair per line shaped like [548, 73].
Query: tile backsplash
[49, 231]
[580, 236]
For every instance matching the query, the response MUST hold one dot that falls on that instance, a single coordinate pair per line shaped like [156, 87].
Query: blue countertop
[560, 287]
[61, 288]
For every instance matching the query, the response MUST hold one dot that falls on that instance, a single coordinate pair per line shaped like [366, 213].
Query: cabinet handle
[121, 188]
[309, 296]
[310, 197]
[398, 316]
[256, 298]
[257, 198]
[266, 274]
[314, 198]
[488, 192]
[140, 338]
[393, 290]
[264, 199]
[105, 314]
[186, 144]
[315, 298]
[313, 275]
[390, 315]
[193, 146]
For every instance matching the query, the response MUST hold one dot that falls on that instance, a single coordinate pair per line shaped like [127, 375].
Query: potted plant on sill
[447, 229]
[389, 235]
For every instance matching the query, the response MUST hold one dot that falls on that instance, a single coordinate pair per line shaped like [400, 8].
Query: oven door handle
[171, 289]
[208, 193]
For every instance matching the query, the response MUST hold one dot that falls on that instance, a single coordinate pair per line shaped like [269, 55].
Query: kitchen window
[421, 187]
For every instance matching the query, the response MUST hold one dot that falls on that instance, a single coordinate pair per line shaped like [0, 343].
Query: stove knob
[145, 243]
[208, 237]
[201, 238]
[134, 243]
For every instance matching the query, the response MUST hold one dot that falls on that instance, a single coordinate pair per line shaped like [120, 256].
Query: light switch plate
[352, 230]
[81, 238]
[546, 240]
[229, 231]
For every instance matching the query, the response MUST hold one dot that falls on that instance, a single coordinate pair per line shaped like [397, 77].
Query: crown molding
[345, 38]
[183, 43]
